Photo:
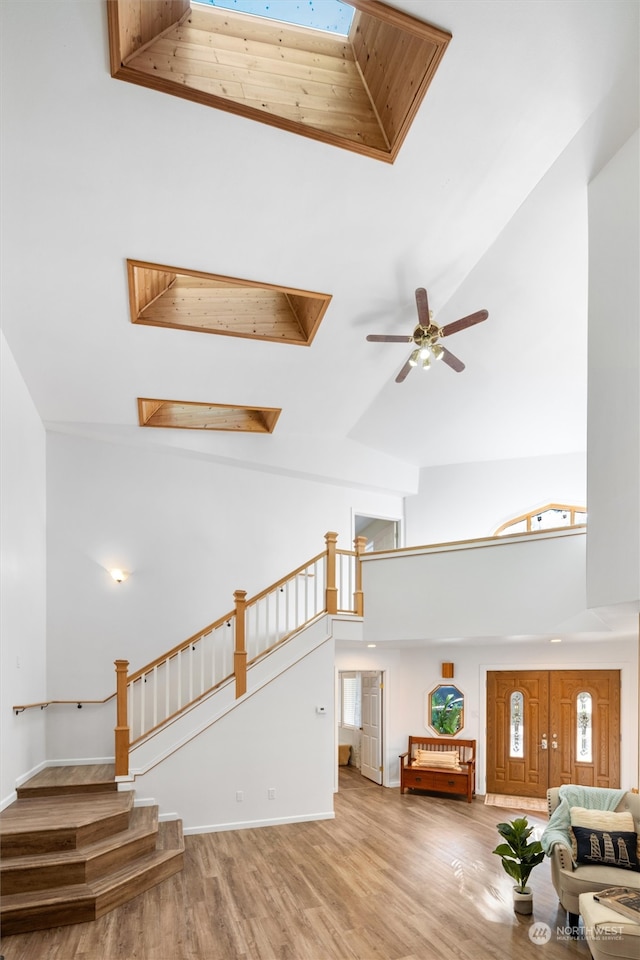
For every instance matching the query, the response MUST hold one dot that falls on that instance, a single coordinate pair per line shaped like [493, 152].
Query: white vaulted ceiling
[485, 206]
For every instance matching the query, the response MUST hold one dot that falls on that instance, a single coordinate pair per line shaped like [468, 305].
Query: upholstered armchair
[599, 864]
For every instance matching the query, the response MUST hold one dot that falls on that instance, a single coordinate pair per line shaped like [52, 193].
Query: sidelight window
[350, 700]
[584, 727]
[516, 740]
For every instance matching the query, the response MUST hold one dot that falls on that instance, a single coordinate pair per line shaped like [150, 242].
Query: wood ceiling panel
[208, 303]
[188, 415]
[360, 93]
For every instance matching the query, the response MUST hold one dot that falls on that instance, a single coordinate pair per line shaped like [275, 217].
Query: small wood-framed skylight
[359, 92]
[164, 296]
[189, 415]
[333, 16]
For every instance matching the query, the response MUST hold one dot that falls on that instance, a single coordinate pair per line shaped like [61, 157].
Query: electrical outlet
[271, 793]
[239, 796]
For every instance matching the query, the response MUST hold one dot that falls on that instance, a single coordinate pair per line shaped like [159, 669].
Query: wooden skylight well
[188, 415]
[164, 296]
[361, 92]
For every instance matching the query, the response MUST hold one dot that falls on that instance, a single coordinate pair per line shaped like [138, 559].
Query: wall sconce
[119, 575]
[447, 671]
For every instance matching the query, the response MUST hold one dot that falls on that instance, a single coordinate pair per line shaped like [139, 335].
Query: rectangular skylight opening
[332, 16]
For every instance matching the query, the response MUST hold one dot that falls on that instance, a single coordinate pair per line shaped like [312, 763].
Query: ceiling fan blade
[422, 304]
[469, 321]
[453, 362]
[384, 338]
[404, 372]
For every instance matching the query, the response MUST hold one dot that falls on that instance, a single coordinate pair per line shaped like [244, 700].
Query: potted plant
[519, 856]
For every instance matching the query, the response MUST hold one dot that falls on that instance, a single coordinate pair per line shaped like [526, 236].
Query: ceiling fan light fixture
[426, 363]
[413, 359]
[423, 353]
[437, 350]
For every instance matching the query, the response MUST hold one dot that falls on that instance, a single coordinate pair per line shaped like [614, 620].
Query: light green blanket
[572, 795]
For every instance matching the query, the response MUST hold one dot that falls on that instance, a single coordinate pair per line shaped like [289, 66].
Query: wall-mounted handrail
[43, 704]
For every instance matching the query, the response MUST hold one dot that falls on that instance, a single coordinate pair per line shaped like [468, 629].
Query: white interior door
[371, 758]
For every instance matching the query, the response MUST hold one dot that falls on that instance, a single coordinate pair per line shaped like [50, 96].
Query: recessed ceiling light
[555, 640]
[371, 644]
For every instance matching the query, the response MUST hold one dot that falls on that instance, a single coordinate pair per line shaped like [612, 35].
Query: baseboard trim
[8, 800]
[79, 762]
[31, 773]
[252, 824]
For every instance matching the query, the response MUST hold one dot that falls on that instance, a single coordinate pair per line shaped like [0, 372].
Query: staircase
[74, 848]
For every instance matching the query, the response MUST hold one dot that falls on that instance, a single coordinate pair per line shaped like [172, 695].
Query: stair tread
[60, 780]
[72, 893]
[143, 821]
[139, 867]
[73, 829]
[33, 813]
[79, 892]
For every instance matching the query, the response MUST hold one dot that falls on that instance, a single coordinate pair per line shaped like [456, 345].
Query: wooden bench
[441, 779]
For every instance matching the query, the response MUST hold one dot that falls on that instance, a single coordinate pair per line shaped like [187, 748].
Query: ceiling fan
[426, 336]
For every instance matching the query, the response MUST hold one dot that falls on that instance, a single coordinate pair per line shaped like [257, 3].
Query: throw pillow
[599, 820]
[446, 759]
[607, 848]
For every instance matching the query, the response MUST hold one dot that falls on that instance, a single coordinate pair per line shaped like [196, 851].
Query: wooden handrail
[181, 646]
[80, 702]
[283, 580]
[122, 731]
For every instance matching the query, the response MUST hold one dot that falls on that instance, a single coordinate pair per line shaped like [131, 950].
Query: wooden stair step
[77, 903]
[117, 888]
[58, 781]
[82, 865]
[44, 824]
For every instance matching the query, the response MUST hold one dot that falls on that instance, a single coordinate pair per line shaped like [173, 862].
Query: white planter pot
[523, 902]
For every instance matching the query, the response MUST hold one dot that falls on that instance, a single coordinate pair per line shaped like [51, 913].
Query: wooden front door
[548, 727]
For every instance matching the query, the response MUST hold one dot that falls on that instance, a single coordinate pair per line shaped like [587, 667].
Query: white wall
[23, 616]
[506, 587]
[276, 740]
[411, 673]
[614, 380]
[190, 531]
[468, 500]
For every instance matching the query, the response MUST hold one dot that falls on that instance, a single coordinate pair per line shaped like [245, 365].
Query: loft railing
[331, 583]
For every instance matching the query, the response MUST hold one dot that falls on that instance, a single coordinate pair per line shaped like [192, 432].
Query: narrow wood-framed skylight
[190, 415]
[164, 296]
[361, 92]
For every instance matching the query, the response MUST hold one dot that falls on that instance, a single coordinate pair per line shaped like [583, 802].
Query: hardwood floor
[391, 878]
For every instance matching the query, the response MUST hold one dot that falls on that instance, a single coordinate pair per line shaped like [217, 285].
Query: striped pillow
[445, 759]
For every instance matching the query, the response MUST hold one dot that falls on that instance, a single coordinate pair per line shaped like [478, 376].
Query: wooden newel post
[240, 653]
[332, 590]
[122, 721]
[358, 596]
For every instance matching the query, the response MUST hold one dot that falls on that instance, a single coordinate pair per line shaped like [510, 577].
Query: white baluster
[142, 704]
[154, 694]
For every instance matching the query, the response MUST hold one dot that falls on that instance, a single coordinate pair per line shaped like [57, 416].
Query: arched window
[545, 518]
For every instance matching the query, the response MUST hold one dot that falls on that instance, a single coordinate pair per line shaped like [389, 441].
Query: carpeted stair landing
[73, 848]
